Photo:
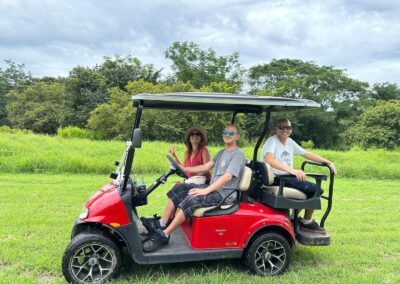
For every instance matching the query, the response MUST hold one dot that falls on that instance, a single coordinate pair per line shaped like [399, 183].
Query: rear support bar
[263, 133]
[329, 197]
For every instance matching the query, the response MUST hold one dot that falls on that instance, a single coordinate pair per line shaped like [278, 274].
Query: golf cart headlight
[84, 214]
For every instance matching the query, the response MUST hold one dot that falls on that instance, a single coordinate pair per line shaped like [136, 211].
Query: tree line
[96, 100]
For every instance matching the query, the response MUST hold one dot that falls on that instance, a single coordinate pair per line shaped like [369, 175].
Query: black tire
[91, 258]
[268, 254]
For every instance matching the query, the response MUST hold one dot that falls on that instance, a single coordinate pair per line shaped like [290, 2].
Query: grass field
[38, 204]
[38, 212]
[30, 153]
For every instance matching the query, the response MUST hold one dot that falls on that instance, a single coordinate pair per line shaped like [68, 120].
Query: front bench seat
[223, 209]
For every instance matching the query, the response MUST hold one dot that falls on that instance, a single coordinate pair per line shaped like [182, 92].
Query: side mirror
[137, 138]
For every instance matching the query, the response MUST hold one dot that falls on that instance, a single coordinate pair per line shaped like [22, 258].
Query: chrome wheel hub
[92, 263]
[270, 257]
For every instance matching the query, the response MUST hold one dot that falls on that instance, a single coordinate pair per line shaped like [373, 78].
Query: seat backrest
[270, 175]
[263, 172]
[245, 180]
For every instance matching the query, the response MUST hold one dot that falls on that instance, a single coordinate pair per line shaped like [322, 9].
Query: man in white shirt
[278, 151]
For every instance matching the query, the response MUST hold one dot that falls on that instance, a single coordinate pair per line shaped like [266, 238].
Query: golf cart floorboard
[177, 245]
[313, 239]
[178, 250]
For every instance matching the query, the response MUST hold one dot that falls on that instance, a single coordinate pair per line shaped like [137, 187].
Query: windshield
[119, 181]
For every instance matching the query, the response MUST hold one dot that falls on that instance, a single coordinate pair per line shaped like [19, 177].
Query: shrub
[379, 127]
[74, 132]
[7, 129]
[307, 144]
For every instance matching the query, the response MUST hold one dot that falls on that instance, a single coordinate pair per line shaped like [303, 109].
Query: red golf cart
[261, 227]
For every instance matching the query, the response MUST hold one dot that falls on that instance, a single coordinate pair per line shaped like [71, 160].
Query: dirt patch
[46, 278]
[4, 265]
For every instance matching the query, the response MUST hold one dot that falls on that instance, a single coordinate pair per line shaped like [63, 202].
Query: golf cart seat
[222, 208]
[282, 197]
[288, 192]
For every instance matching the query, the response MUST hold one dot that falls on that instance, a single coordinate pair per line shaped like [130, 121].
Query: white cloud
[52, 37]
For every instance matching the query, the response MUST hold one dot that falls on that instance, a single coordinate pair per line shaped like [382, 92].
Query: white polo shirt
[282, 153]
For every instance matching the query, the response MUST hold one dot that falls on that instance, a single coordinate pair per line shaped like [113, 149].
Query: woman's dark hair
[203, 141]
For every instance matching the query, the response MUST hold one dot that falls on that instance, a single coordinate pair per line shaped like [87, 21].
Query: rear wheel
[91, 258]
[269, 254]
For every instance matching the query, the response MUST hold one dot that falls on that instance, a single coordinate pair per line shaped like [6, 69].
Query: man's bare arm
[316, 158]
[270, 159]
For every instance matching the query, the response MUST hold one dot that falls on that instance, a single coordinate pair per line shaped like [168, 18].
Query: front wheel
[91, 258]
[269, 254]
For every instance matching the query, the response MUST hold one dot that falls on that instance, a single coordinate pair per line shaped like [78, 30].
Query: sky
[51, 37]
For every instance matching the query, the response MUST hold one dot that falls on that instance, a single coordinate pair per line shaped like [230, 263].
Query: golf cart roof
[220, 102]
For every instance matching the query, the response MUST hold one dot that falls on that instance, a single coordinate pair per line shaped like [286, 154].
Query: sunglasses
[195, 134]
[283, 127]
[229, 133]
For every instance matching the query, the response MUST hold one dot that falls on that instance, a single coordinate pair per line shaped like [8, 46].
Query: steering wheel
[176, 167]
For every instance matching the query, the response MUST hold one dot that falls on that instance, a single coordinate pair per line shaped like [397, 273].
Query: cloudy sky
[51, 36]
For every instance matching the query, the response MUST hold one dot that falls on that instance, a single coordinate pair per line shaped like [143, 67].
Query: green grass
[31, 153]
[45, 181]
[37, 212]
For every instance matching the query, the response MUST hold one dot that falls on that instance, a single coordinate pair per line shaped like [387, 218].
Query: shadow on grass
[211, 270]
[134, 272]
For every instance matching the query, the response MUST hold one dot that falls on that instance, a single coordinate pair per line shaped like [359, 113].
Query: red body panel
[106, 207]
[234, 230]
[215, 232]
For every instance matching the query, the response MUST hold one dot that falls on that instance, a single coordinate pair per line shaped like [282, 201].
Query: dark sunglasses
[283, 127]
[195, 134]
[230, 133]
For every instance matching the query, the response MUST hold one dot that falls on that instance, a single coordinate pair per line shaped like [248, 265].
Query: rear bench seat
[288, 192]
[282, 197]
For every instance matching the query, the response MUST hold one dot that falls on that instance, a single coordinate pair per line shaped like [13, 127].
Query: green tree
[379, 127]
[295, 78]
[86, 89]
[12, 76]
[39, 107]
[119, 71]
[342, 98]
[114, 119]
[385, 91]
[202, 67]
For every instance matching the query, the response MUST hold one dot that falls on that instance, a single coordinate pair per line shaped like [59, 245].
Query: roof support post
[131, 150]
[234, 117]
[263, 133]
[138, 117]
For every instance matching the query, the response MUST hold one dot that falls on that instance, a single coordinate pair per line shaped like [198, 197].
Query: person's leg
[169, 211]
[161, 238]
[176, 194]
[179, 191]
[309, 189]
[189, 205]
[178, 220]
[308, 214]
